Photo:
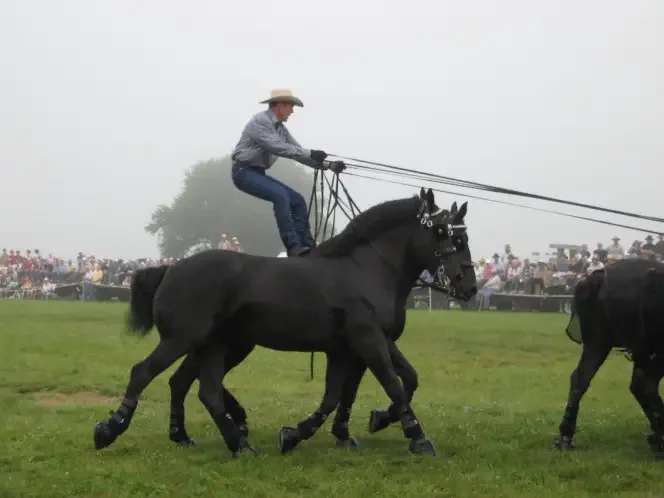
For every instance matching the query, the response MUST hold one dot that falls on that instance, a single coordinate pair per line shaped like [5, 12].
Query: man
[263, 140]
[659, 246]
[601, 253]
[648, 249]
[615, 250]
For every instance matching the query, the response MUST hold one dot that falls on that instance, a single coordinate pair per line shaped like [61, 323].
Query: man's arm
[262, 132]
[307, 160]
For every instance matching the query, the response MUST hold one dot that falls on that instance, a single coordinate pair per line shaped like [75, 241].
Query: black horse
[619, 307]
[345, 299]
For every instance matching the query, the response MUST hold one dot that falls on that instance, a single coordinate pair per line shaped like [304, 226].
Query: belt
[248, 165]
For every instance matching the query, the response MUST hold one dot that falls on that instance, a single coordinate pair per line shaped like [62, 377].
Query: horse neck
[391, 251]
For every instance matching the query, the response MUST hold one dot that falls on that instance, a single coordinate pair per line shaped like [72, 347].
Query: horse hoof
[349, 444]
[102, 435]
[422, 446]
[564, 443]
[378, 420]
[656, 445]
[289, 437]
[244, 449]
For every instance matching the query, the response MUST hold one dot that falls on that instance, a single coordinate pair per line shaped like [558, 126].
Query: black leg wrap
[379, 419]
[177, 432]
[289, 437]
[568, 424]
[340, 429]
[411, 427]
[107, 432]
[229, 431]
[656, 443]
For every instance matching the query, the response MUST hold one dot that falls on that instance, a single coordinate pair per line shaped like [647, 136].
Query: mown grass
[492, 390]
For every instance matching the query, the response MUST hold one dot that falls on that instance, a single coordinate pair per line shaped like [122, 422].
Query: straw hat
[283, 95]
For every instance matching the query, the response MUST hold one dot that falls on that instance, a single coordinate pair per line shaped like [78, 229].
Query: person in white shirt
[490, 287]
[615, 250]
[595, 265]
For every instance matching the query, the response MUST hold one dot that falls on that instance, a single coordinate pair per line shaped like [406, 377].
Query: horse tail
[140, 318]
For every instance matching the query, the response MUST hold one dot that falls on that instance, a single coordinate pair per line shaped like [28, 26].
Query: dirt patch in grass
[80, 398]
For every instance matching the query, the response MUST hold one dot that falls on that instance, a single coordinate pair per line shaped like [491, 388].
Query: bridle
[444, 231]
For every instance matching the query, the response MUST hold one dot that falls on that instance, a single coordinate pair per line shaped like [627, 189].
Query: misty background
[104, 105]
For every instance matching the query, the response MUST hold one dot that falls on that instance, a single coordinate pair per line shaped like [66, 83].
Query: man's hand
[318, 155]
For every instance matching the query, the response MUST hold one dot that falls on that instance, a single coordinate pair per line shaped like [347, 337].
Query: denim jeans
[290, 208]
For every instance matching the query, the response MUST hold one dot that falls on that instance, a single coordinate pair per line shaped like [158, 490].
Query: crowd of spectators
[33, 274]
[508, 273]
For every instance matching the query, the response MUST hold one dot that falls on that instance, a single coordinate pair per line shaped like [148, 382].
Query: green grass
[492, 391]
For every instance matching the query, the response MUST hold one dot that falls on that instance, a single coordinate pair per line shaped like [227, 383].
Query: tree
[210, 204]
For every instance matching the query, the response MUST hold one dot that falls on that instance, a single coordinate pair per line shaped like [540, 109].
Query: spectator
[615, 250]
[659, 246]
[498, 265]
[507, 255]
[595, 264]
[490, 287]
[526, 276]
[235, 245]
[648, 249]
[635, 250]
[512, 275]
[224, 243]
[601, 253]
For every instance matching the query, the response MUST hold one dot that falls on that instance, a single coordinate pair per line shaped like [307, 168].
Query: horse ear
[461, 213]
[422, 193]
[454, 208]
[430, 200]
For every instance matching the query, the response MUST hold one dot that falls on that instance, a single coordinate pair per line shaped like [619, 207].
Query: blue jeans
[290, 208]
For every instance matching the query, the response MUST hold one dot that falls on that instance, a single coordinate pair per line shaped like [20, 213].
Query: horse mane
[370, 224]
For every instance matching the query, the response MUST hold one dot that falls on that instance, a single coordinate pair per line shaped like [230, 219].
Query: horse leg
[163, 356]
[368, 341]
[381, 418]
[592, 358]
[236, 355]
[646, 376]
[348, 395]
[181, 382]
[211, 361]
[335, 375]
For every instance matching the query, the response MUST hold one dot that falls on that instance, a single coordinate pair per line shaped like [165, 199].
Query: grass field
[492, 391]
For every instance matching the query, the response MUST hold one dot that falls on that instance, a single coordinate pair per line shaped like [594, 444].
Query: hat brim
[290, 100]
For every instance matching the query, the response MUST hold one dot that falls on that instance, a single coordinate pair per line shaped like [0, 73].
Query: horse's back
[200, 283]
[617, 305]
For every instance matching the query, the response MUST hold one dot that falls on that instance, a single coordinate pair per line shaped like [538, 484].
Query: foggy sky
[104, 104]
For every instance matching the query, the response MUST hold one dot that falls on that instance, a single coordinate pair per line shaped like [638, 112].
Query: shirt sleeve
[262, 132]
[304, 159]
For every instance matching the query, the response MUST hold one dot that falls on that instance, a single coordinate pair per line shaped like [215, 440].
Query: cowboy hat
[283, 95]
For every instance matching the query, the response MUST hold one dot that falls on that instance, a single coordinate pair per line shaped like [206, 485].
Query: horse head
[443, 247]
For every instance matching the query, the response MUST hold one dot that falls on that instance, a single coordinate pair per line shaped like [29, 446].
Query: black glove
[337, 166]
[318, 155]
